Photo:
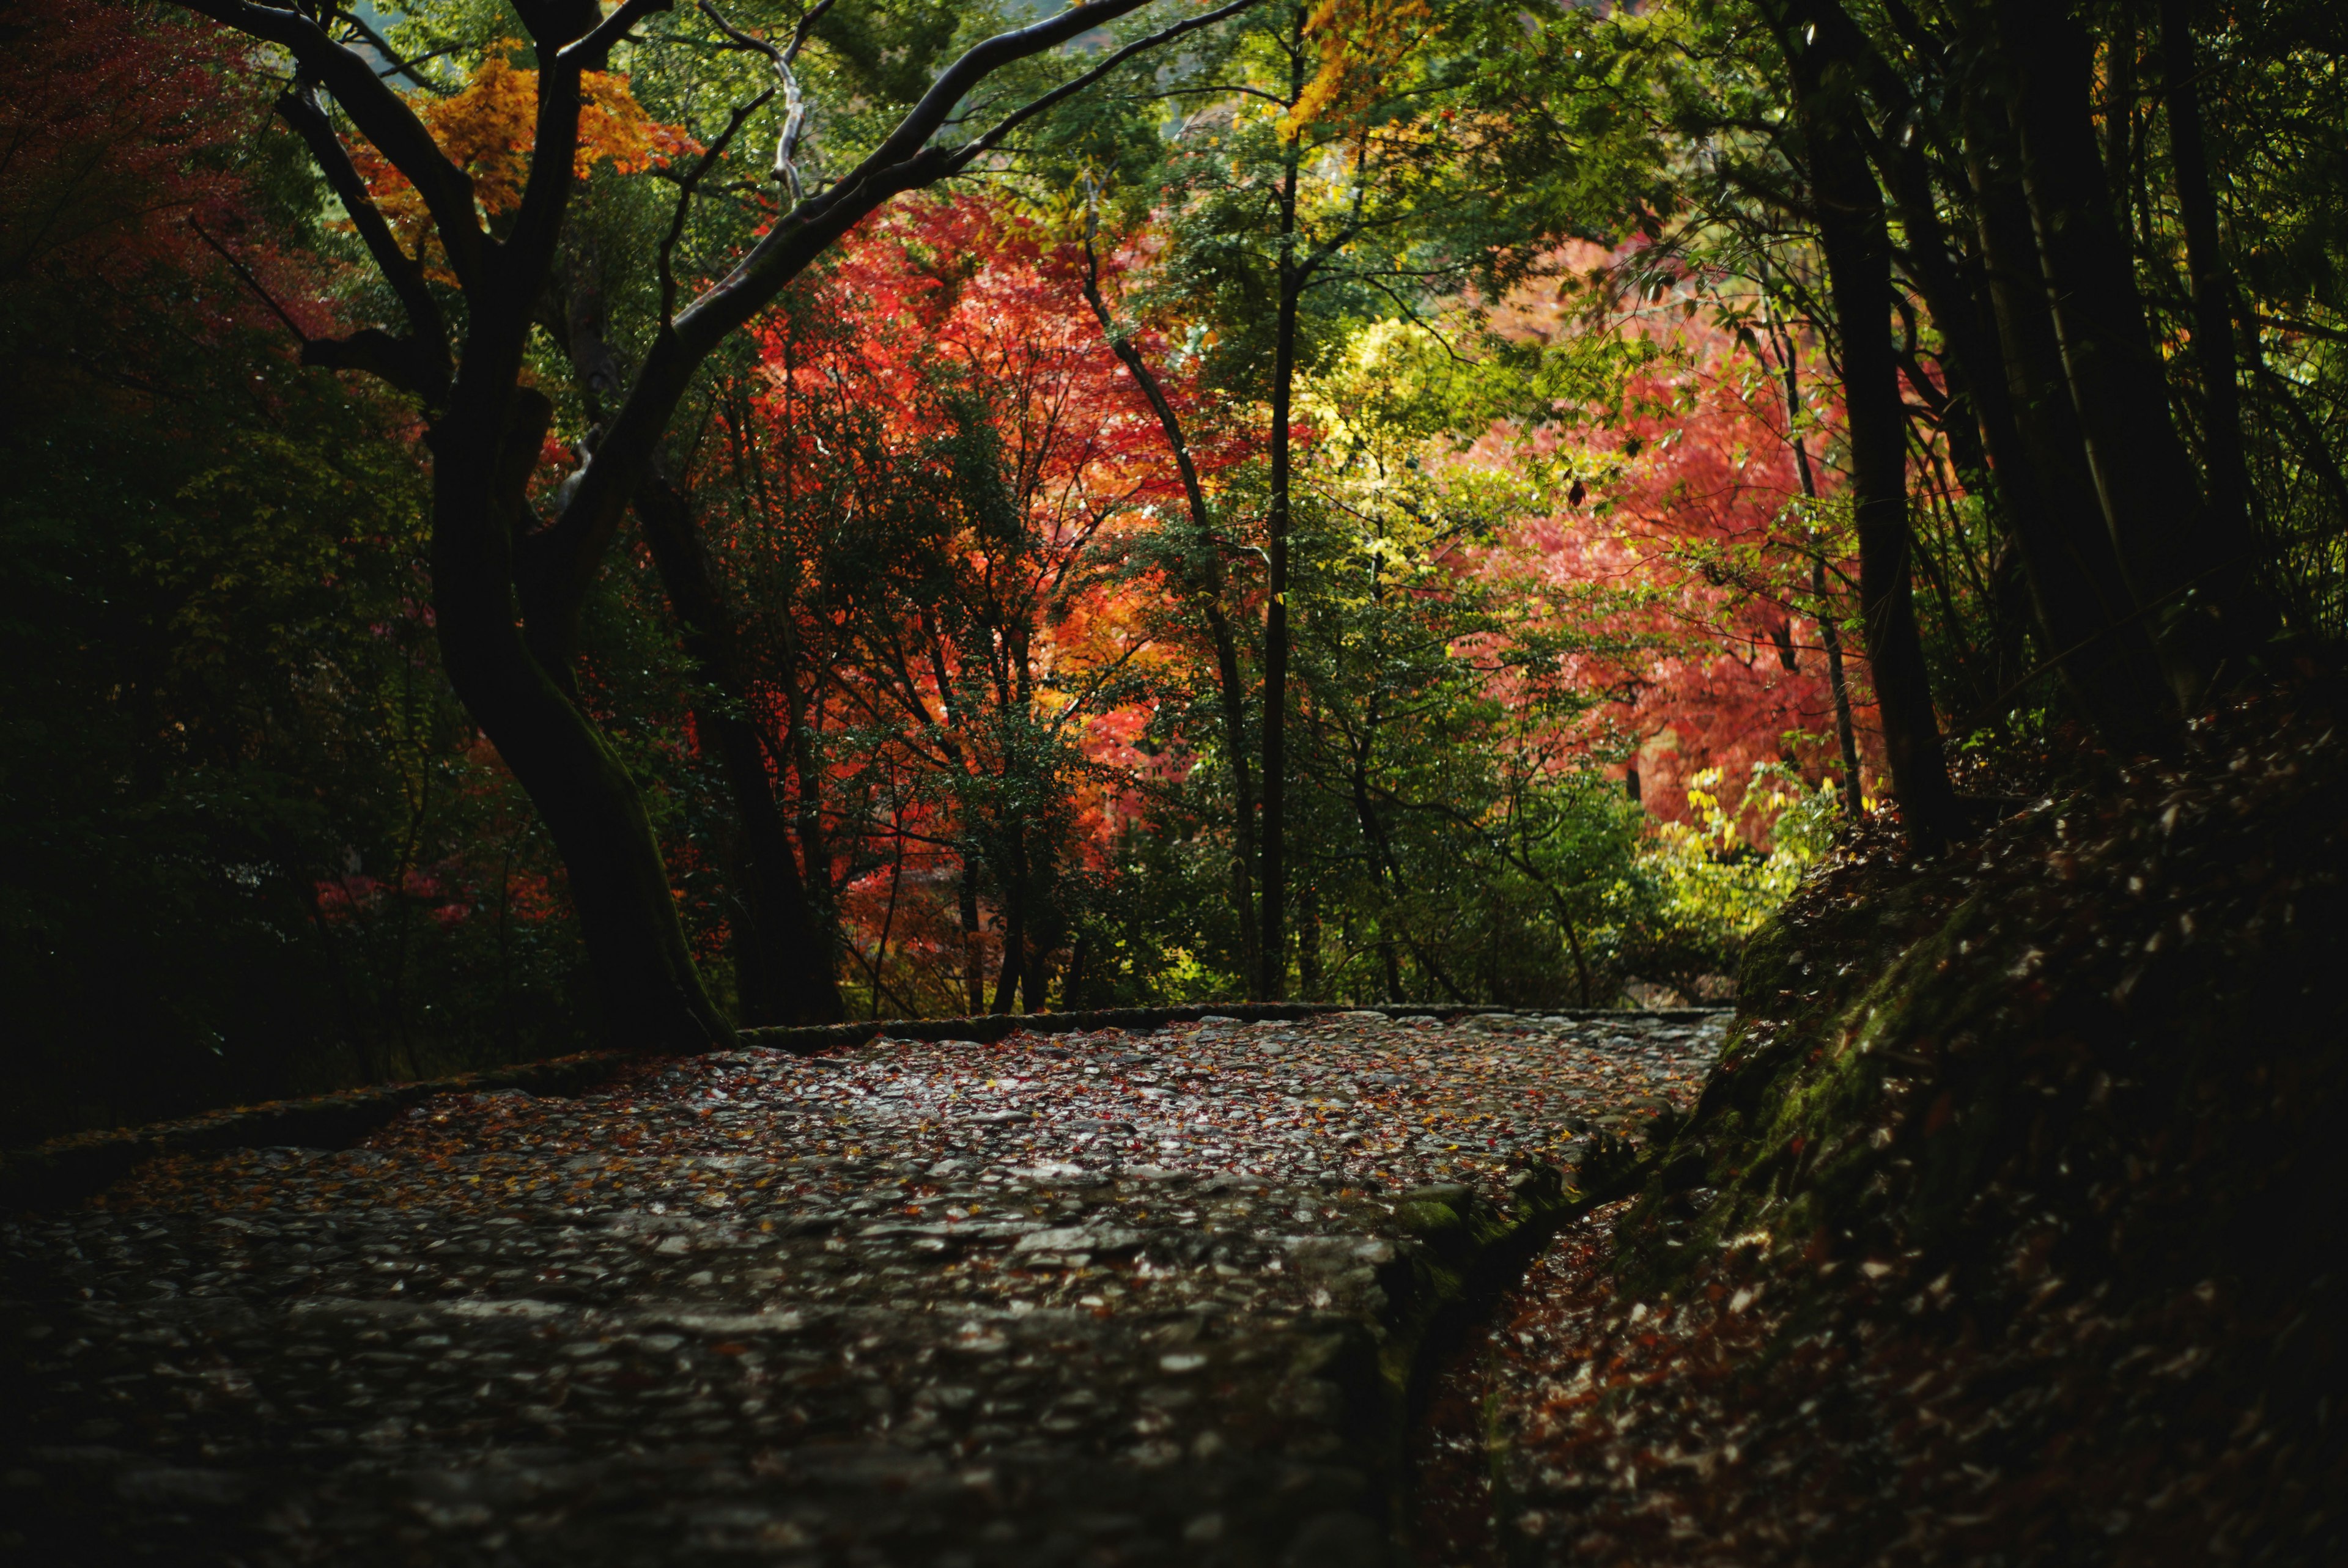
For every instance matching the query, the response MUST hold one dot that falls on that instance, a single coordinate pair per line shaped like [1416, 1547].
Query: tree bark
[783, 968]
[2004, 363]
[1271, 927]
[793, 979]
[652, 995]
[2106, 662]
[1274, 982]
[1856, 240]
[2187, 568]
[2213, 323]
[1829, 633]
[974, 939]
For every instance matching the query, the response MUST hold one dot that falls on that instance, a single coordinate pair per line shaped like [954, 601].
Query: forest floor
[1117, 1297]
[2006, 1230]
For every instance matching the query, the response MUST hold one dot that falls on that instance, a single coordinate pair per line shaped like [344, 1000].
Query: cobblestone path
[1066, 1299]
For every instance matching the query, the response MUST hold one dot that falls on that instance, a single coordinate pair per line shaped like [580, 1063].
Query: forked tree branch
[684, 202]
[795, 107]
[298, 105]
[394, 64]
[971, 151]
[903, 161]
[401, 362]
[381, 114]
[590, 52]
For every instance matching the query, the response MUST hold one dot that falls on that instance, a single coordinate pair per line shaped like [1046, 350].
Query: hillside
[2002, 1226]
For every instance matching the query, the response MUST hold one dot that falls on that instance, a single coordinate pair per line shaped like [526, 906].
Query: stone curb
[66, 1170]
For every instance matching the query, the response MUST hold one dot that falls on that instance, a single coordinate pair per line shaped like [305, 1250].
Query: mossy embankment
[2008, 1225]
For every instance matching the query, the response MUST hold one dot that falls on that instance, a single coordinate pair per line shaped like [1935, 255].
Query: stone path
[1113, 1298]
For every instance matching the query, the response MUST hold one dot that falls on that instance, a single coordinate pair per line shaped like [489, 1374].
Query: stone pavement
[1120, 1297]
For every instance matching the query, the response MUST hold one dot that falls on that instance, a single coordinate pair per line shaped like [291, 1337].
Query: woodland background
[1573, 459]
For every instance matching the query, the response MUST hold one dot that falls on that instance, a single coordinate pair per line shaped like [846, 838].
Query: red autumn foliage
[1691, 543]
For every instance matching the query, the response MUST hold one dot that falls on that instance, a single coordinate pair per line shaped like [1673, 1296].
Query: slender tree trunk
[1208, 591]
[1308, 942]
[2213, 324]
[806, 813]
[1855, 241]
[974, 940]
[2107, 665]
[1275, 660]
[797, 982]
[1014, 947]
[2002, 359]
[1829, 633]
[2119, 118]
[1035, 979]
[1573, 945]
[1290, 286]
[2188, 569]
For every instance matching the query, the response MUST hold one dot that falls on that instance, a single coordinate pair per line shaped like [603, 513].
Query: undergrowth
[2007, 1226]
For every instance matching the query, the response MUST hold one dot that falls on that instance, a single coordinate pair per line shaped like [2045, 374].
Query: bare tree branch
[903, 161]
[972, 150]
[429, 332]
[394, 65]
[684, 202]
[794, 108]
[590, 52]
[381, 114]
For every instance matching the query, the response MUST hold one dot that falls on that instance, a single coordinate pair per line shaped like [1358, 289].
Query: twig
[684, 202]
[245, 276]
[795, 106]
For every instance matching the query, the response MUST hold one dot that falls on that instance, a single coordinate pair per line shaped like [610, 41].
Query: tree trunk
[1274, 972]
[2186, 568]
[1036, 981]
[1308, 943]
[653, 997]
[974, 940]
[1208, 591]
[2213, 324]
[2002, 360]
[1829, 633]
[1858, 247]
[1013, 878]
[1290, 285]
[1015, 944]
[2104, 652]
[795, 982]
[1854, 799]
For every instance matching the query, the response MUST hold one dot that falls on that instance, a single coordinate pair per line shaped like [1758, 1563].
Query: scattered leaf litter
[1112, 1296]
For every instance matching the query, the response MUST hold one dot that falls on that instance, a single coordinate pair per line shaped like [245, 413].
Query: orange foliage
[488, 130]
[1362, 42]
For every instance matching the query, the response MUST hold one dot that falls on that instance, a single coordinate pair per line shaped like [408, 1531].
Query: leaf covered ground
[2005, 1231]
[1117, 1297]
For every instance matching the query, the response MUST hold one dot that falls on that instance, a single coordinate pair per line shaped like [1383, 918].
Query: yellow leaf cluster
[488, 130]
[1362, 42]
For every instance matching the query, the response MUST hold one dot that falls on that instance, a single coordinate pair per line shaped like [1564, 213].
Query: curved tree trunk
[653, 997]
[1208, 591]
